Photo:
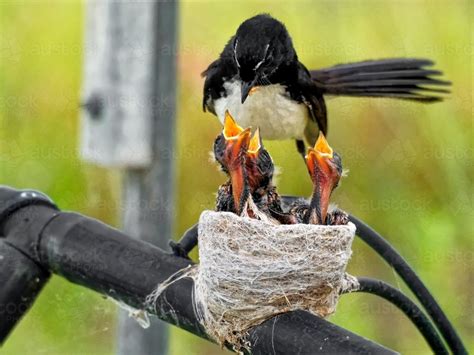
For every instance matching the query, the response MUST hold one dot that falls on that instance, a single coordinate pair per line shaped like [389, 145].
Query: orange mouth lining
[322, 148]
[254, 145]
[231, 129]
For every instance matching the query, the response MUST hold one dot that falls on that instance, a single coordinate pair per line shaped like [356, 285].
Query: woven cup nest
[251, 270]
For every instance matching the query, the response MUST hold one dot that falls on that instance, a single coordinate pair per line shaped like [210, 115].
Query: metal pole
[149, 193]
[129, 123]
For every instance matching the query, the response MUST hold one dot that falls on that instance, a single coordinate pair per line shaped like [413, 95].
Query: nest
[251, 270]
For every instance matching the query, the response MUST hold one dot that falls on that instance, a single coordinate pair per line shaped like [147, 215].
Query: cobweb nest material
[251, 270]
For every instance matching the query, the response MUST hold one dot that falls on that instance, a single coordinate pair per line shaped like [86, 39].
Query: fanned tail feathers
[403, 78]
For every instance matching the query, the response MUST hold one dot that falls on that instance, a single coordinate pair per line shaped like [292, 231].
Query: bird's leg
[301, 147]
[187, 242]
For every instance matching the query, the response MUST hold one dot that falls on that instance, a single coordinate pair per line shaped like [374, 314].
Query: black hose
[395, 260]
[408, 307]
[187, 242]
[403, 269]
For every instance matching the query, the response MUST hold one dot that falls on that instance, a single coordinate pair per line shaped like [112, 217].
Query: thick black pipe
[407, 306]
[413, 281]
[92, 254]
[21, 279]
[313, 335]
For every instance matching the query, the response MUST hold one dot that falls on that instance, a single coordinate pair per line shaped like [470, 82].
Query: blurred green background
[410, 164]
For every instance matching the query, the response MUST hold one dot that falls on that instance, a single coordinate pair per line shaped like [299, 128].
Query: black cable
[408, 307]
[187, 242]
[392, 257]
[395, 260]
[408, 275]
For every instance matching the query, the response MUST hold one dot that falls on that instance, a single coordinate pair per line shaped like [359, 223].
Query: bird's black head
[262, 50]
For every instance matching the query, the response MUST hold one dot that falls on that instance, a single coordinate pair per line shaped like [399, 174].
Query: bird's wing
[401, 78]
[212, 85]
[312, 97]
[219, 70]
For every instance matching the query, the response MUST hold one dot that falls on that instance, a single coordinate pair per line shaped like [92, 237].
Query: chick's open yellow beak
[322, 148]
[255, 142]
[241, 142]
[319, 154]
[237, 138]
[231, 128]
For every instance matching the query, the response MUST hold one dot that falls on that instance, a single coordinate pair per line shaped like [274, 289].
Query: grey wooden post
[129, 97]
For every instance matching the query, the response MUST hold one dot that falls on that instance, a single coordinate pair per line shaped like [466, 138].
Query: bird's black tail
[402, 78]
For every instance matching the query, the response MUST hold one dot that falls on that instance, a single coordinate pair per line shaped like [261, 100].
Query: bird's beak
[231, 128]
[255, 143]
[241, 142]
[322, 147]
[318, 155]
[237, 143]
[237, 138]
[248, 89]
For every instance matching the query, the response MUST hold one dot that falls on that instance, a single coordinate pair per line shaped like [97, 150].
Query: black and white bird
[260, 81]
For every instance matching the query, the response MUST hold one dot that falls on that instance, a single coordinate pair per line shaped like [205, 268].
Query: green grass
[410, 165]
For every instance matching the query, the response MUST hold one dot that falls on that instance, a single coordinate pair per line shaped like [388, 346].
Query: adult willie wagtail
[260, 81]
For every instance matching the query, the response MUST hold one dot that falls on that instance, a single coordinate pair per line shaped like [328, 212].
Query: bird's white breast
[269, 108]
